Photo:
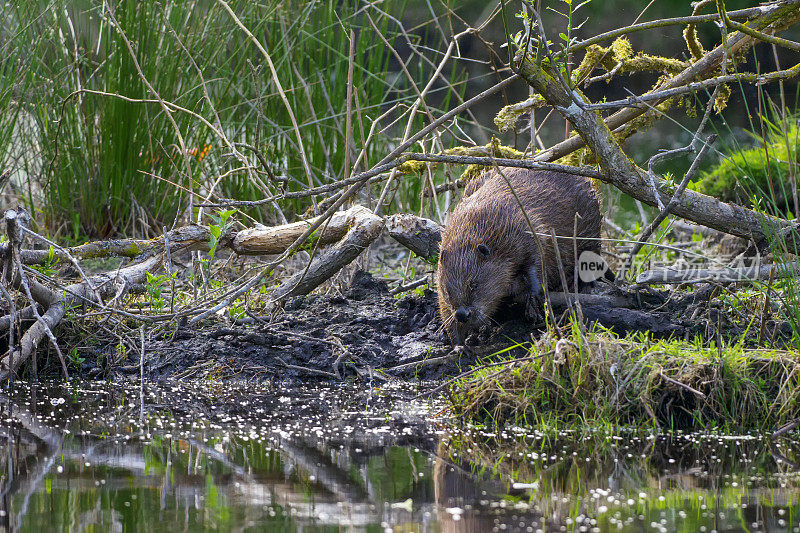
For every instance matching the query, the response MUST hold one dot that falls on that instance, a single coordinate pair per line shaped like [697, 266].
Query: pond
[175, 456]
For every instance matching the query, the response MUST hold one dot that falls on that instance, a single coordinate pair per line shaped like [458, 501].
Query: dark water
[177, 457]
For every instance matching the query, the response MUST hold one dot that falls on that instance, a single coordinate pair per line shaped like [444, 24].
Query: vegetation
[762, 175]
[138, 108]
[597, 378]
[130, 118]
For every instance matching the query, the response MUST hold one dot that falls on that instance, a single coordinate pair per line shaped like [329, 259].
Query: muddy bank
[367, 334]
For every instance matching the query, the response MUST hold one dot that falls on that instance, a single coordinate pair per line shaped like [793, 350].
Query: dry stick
[39, 320]
[691, 147]
[741, 77]
[786, 428]
[561, 272]
[682, 385]
[693, 19]
[434, 158]
[578, 307]
[233, 294]
[410, 286]
[365, 229]
[141, 356]
[182, 144]
[307, 369]
[643, 238]
[322, 142]
[348, 123]
[454, 41]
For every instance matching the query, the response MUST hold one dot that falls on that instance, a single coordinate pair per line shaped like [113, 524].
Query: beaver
[489, 256]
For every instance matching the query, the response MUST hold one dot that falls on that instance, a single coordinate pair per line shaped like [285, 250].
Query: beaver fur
[489, 256]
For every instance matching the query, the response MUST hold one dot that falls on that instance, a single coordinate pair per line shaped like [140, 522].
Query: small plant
[222, 222]
[75, 360]
[48, 268]
[237, 309]
[154, 287]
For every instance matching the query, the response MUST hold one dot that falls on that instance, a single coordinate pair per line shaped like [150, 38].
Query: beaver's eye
[483, 250]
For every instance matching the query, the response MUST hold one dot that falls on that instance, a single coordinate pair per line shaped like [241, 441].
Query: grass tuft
[600, 378]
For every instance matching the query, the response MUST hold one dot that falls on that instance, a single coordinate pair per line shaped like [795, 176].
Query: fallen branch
[191, 237]
[366, 227]
[669, 276]
[73, 295]
[420, 235]
[276, 239]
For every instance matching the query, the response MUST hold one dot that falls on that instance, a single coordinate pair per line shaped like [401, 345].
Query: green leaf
[563, 36]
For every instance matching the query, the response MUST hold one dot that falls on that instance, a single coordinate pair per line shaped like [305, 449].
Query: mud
[363, 333]
[369, 335]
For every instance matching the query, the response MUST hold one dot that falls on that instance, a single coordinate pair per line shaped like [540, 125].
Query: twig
[306, 369]
[410, 286]
[682, 385]
[741, 77]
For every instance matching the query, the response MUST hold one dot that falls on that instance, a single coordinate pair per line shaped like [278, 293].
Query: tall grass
[109, 166]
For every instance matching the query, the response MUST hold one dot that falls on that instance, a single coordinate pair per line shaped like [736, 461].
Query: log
[420, 235]
[191, 237]
[669, 276]
[276, 239]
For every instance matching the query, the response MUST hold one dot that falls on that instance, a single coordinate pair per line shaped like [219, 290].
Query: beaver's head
[472, 281]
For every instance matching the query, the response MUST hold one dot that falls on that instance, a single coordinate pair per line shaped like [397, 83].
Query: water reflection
[173, 457]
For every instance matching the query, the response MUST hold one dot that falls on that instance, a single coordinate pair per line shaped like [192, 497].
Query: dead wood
[669, 276]
[623, 173]
[420, 235]
[774, 18]
[74, 295]
[275, 240]
[191, 237]
[366, 227]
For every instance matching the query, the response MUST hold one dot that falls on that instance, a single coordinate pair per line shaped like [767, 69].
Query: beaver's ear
[442, 254]
[483, 250]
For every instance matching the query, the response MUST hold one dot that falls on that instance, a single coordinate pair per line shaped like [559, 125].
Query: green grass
[600, 379]
[110, 167]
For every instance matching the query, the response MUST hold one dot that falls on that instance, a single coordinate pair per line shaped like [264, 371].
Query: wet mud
[368, 334]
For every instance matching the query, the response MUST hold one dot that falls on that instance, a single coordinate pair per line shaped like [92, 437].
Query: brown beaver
[489, 256]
